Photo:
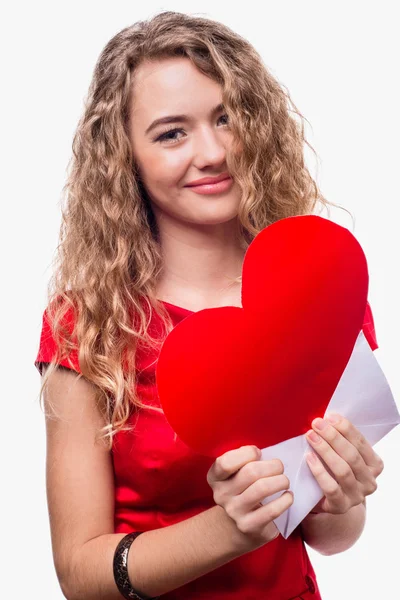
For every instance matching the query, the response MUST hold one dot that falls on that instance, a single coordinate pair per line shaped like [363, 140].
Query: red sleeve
[47, 345]
[369, 328]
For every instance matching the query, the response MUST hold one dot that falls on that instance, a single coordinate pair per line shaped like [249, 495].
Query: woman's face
[169, 156]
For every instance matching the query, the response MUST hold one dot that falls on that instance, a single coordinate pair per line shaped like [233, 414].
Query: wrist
[242, 542]
[237, 539]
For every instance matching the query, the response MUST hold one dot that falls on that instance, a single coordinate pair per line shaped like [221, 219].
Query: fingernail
[333, 418]
[319, 423]
[314, 437]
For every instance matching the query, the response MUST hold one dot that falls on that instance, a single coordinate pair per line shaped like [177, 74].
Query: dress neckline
[187, 310]
[181, 308]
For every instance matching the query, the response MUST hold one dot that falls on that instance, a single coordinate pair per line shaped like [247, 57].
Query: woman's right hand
[240, 480]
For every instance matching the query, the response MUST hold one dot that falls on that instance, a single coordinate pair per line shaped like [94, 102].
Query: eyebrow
[179, 118]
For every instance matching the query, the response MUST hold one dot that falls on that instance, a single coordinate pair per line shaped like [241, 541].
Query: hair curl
[109, 256]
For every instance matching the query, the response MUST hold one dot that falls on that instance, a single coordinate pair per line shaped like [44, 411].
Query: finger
[258, 491]
[345, 449]
[230, 462]
[335, 500]
[254, 470]
[340, 469]
[257, 519]
[351, 433]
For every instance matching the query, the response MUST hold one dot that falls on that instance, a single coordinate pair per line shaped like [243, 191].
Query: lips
[212, 188]
[209, 180]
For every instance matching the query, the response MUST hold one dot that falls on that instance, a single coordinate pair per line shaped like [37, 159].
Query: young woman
[175, 103]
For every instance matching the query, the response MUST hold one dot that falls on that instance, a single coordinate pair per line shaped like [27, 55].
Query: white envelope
[364, 397]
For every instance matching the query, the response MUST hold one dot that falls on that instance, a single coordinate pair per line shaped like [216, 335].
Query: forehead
[172, 84]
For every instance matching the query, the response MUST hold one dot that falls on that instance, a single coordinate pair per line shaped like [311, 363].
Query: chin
[203, 211]
[217, 218]
[225, 209]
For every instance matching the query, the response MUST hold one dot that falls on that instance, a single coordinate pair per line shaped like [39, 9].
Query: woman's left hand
[352, 465]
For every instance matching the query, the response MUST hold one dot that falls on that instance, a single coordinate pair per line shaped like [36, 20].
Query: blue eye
[166, 136]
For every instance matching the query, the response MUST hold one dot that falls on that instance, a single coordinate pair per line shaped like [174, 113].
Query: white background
[338, 61]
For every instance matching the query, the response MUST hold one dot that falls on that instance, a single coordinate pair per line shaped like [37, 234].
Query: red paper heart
[230, 376]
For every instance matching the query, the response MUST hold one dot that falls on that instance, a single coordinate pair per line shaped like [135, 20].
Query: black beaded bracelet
[120, 568]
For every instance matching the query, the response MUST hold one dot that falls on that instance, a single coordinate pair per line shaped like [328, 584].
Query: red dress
[159, 482]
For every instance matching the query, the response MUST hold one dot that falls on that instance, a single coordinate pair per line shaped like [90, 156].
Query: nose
[208, 149]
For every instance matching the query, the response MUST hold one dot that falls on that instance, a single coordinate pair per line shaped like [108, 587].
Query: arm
[330, 534]
[80, 493]
[160, 560]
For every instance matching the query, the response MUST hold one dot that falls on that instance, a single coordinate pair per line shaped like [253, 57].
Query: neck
[200, 263]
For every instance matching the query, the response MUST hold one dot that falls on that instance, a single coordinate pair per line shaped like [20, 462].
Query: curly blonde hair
[109, 258]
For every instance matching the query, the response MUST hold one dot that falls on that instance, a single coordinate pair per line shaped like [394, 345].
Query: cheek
[174, 166]
[165, 170]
